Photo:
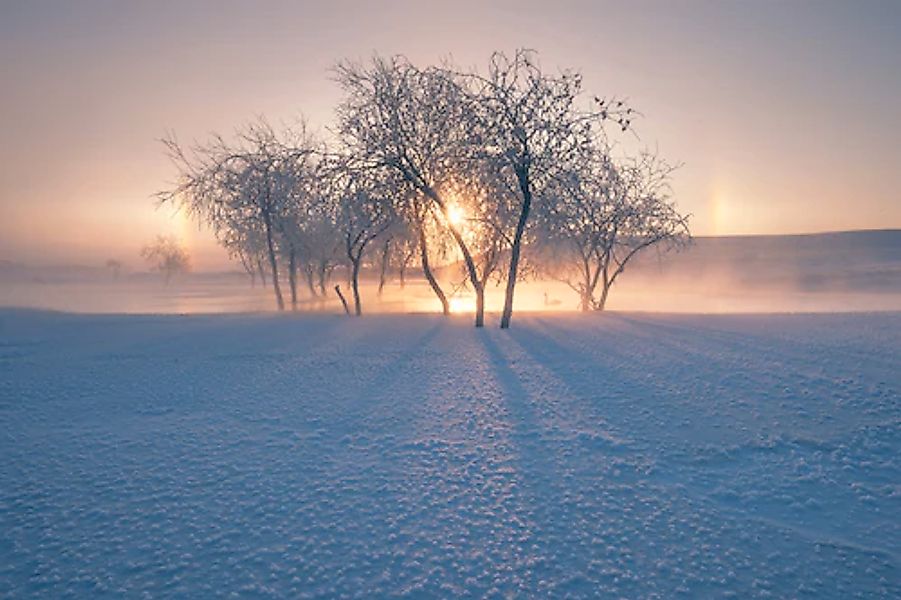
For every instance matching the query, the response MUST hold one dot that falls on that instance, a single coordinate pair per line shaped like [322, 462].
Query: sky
[784, 115]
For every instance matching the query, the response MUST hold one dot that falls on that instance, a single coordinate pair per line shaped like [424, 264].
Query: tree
[321, 247]
[533, 129]
[603, 216]
[403, 251]
[413, 123]
[243, 240]
[115, 267]
[166, 255]
[363, 211]
[428, 236]
[250, 181]
[483, 210]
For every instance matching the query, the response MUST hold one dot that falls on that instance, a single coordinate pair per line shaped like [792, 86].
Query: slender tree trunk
[430, 277]
[355, 284]
[273, 264]
[480, 307]
[292, 277]
[605, 282]
[343, 300]
[311, 283]
[515, 250]
[602, 303]
[323, 276]
[262, 271]
[467, 259]
[403, 267]
[473, 278]
[384, 266]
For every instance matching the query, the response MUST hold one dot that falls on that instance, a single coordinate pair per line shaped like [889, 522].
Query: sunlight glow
[462, 304]
[456, 215]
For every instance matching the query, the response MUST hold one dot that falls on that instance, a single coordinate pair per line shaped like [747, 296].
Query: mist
[832, 272]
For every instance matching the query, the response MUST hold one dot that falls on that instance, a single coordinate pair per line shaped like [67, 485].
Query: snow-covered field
[619, 455]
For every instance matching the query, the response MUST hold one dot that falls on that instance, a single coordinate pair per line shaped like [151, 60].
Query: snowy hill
[866, 261]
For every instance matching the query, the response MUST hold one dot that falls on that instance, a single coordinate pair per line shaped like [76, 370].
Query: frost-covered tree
[363, 207]
[115, 267]
[429, 239]
[534, 126]
[604, 215]
[413, 123]
[166, 255]
[321, 248]
[485, 210]
[250, 180]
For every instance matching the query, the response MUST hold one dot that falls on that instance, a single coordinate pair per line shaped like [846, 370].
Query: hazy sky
[786, 115]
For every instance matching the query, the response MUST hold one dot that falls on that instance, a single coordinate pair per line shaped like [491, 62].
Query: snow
[623, 455]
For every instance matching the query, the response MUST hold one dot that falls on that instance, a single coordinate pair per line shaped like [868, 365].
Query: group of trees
[511, 171]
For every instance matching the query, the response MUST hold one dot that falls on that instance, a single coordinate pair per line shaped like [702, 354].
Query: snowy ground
[629, 455]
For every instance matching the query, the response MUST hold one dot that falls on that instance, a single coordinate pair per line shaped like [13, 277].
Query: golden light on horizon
[462, 304]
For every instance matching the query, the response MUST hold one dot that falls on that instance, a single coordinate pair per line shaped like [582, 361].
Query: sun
[456, 215]
[460, 305]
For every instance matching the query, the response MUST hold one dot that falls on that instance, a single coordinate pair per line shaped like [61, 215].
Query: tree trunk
[427, 271]
[602, 303]
[311, 282]
[473, 278]
[273, 264]
[262, 271]
[343, 300]
[467, 258]
[402, 270]
[515, 250]
[384, 266]
[355, 285]
[323, 276]
[292, 277]
[480, 306]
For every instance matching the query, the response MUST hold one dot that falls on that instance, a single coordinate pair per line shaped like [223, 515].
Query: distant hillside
[849, 260]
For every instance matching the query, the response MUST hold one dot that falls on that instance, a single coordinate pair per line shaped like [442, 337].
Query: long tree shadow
[528, 430]
[609, 395]
[542, 467]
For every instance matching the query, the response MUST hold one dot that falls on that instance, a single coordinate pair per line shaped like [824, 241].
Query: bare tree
[533, 128]
[483, 210]
[243, 240]
[428, 238]
[320, 247]
[413, 123]
[605, 215]
[250, 180]
[115, 267]
[363, 205]
[166, 255]
[403, 253]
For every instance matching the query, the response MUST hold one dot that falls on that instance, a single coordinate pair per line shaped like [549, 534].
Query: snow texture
[620, 455]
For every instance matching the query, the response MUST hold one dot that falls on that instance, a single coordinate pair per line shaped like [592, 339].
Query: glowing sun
[455, 215]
